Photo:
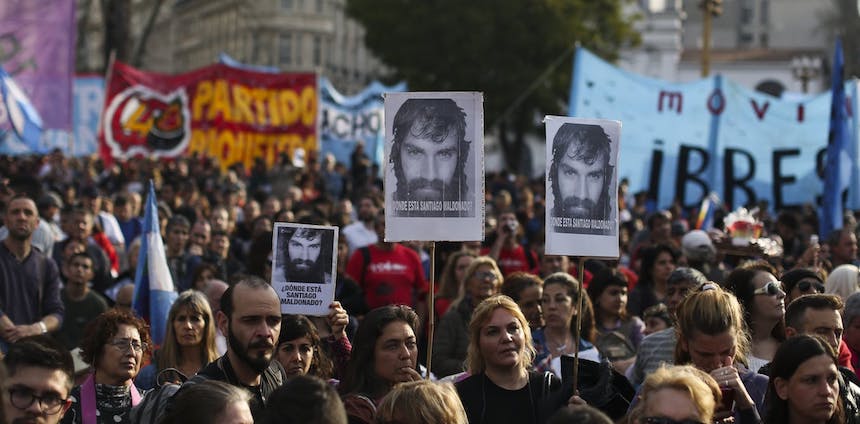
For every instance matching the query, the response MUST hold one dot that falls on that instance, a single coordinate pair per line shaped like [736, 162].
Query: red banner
[231, 115]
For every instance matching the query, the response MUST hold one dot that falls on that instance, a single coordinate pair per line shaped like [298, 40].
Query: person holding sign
[429, 154]
[581, 174]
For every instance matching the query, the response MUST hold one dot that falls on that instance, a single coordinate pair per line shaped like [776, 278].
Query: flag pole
[579, 312]
[431, 308]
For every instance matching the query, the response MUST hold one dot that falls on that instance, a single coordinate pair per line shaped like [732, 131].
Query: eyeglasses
[124, 345]
[772, 288]
[485, 275]
[804, 286]
[664, 420]
[22, 397]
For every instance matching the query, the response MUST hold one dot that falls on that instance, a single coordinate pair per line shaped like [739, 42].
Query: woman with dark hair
[115, 344]
[804, 385]
[385, 353]
[502, 388]
[301, 350]
[763, 299]
[451, 280]
[657, 263]
[210, 401]
[618, 334]
[304, 399]
[801, 281]
[556, 338]
[189, 343]
[526, 289]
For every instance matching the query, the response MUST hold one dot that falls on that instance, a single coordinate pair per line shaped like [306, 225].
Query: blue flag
[21, 114]
[837, 172]
[154, 292]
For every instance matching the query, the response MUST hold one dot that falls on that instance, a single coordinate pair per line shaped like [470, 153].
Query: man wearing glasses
[40, 378]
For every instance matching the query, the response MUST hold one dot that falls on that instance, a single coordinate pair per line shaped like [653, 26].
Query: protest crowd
[684, 327]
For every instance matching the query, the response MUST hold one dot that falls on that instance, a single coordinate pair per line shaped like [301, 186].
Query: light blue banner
[682, 141]
[88, 99]
[346, 120]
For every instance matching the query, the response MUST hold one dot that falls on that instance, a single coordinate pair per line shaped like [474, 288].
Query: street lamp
[805, 68]
[710, 8]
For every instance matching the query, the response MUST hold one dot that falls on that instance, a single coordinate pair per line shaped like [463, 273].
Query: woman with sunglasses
[763, 301]
[481, 280]
[804, 385]
[115, 344]
[676, 395]
[712, 336]
[801, 281]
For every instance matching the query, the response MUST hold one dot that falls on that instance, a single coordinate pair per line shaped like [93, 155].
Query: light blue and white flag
[154, 291]
[20, 114]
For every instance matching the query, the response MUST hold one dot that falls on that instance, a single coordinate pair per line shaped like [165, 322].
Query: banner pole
[576, 341]
[431, 308]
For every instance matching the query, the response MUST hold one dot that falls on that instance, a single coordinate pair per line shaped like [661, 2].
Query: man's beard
[575, 207]
[304, 270]
[433, 190]
[258, 364]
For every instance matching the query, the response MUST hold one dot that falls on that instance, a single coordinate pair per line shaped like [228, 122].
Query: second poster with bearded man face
[582, 186]
[434, 166]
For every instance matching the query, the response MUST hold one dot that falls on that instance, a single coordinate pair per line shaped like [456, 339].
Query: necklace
[555, 347]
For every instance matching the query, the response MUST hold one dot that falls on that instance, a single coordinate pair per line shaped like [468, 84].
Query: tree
[843, 20]
[517, 52]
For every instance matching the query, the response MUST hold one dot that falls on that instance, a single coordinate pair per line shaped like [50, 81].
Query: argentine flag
[20, 113]
[154, 292]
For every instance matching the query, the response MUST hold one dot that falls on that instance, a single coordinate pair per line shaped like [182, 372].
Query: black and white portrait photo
[304, 255]
[434, 157]
[581, 180]
[429, 153]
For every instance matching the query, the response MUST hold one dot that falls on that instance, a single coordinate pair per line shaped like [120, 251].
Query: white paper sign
[304, 262]
[434, 166]
[581, 186]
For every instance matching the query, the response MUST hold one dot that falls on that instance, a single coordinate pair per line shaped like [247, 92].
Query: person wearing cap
[49, 205]
[700, 252]
[659, 348]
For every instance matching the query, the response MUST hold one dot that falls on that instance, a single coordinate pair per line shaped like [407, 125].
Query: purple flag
[37, 42]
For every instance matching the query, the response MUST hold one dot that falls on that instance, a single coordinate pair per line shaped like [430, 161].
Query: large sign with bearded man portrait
[581, 186]
[303, 267]
[434, 181]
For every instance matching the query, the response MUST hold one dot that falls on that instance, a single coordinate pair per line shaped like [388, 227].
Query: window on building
[320, 6]
[317, 50]
[765, 11]
[745, 38]
[746, 14]
[285, 49]
[287, 4]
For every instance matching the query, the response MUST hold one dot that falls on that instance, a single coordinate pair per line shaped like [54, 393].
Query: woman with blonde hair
[421, 402]
[842, 281]
[481, 280]
[189, 343]
[713, 337]
[676, 394]
[501, 387]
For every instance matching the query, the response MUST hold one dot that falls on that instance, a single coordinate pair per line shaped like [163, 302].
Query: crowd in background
[722, 317]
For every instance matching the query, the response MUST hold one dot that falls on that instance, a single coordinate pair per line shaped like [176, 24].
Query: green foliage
[499, 47]
[844, 21]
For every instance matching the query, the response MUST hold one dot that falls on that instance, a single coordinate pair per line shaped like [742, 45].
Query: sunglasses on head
[804, 286]
[772, 288]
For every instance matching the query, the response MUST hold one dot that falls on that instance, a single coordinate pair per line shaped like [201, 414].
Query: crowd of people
[682, 328]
